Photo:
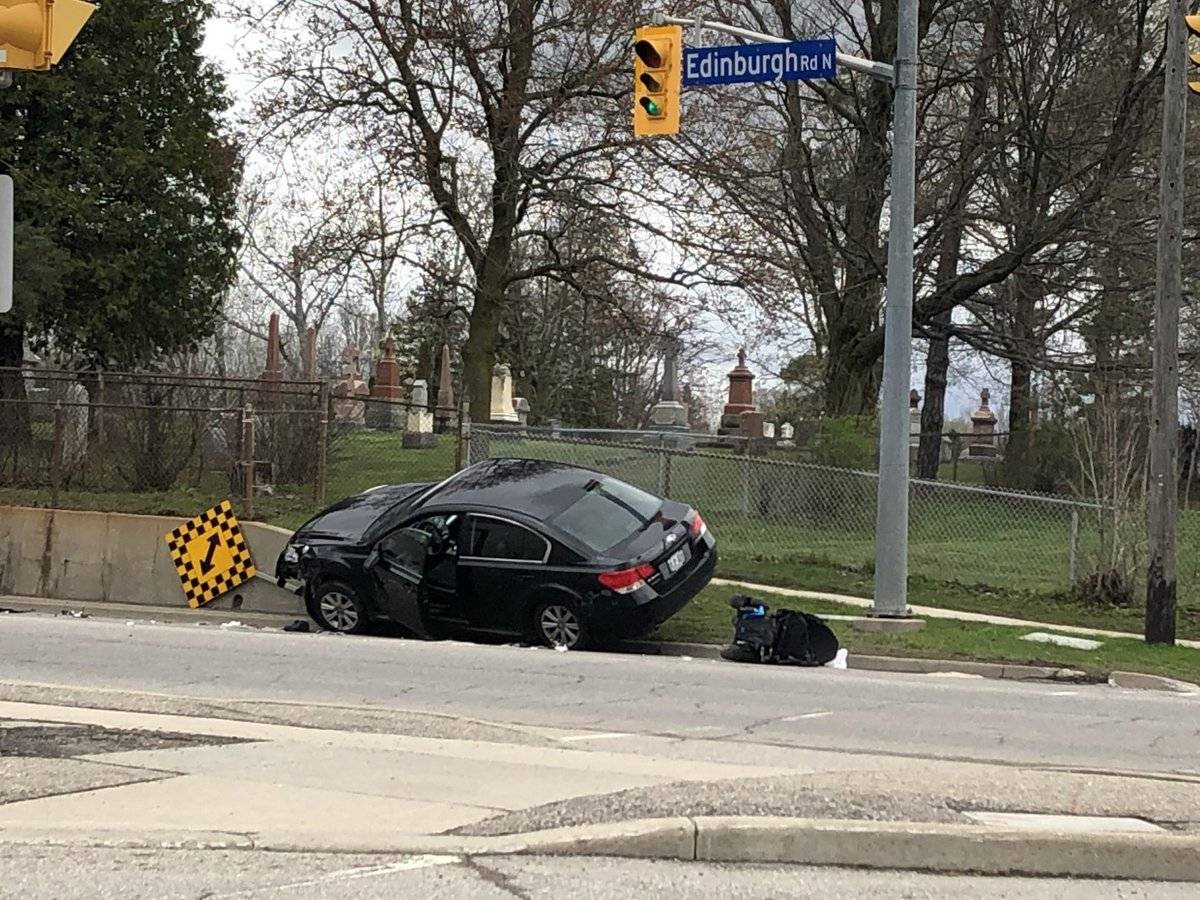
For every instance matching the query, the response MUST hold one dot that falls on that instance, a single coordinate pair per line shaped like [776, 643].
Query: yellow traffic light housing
[34, 34]
[1193, 25]
[657, 79]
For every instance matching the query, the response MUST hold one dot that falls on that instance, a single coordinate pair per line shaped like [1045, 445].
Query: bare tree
[523, 96]
[302, 240]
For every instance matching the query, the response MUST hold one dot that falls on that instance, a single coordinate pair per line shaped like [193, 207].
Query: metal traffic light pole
[891, 520]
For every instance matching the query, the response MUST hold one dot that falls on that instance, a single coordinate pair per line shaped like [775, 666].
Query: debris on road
[299, 625]
[73, 613]
[839, 661]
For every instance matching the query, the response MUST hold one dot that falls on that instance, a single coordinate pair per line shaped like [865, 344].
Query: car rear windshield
[608, 513]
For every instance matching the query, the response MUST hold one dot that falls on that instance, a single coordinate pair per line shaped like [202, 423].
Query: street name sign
[210, 554]
[745, 63]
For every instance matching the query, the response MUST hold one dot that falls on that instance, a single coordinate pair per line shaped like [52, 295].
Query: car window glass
[405, 547]
[608, 513]
[494, 539]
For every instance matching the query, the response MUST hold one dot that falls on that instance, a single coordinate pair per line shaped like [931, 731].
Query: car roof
[536, 487]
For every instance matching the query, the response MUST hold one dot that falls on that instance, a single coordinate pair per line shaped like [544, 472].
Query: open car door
[397, 564]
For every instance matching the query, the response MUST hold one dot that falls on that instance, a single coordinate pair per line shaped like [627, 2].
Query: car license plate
[675, 563]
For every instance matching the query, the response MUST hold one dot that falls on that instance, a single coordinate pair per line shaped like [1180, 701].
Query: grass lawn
[356, 461]
[708, 620]
[788, 525]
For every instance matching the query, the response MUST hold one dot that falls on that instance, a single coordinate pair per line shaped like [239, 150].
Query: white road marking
[1063, 693]
[811, 715]
[417, 862]
[602, 736]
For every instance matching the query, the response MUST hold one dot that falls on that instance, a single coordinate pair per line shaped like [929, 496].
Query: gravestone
[668, 413]
[418, 431]
[502, 409]
[385, 409]
[983, 432]
[741, 397]
[768, 430]
[521, 405]
[349, 408]
[273, 373]
[445, 416]
[787, 435]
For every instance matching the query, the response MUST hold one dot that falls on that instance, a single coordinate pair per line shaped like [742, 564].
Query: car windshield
[608, 513]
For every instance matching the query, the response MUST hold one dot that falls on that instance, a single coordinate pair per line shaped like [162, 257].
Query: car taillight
[697, 526]
[623, 581]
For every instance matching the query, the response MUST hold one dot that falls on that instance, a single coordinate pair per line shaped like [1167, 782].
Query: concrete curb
[916, 666]
[743, 839]
[141, 613]
[949, 848]
[1143, 682]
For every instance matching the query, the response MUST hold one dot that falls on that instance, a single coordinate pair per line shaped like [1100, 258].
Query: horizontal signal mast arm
[881, 71]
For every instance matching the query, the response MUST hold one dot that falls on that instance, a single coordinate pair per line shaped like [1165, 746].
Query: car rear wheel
[334, 607]
[557, 623]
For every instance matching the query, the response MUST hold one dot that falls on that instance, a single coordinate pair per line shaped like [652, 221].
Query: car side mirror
[372, 560]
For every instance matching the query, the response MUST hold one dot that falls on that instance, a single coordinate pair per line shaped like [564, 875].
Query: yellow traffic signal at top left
[34, 34]
[657, 79]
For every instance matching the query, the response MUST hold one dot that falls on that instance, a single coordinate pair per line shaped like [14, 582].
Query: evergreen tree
[125, 188]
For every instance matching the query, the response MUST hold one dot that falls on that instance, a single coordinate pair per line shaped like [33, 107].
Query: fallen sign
[210, 554]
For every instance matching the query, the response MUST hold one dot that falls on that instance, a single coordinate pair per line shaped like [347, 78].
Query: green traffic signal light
[652, 109]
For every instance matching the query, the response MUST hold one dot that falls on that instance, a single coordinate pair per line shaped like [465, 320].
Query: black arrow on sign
[206, 564]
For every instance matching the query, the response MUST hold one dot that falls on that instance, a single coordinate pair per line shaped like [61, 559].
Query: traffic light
[657, 75]
[34, 34]
[1193, 25]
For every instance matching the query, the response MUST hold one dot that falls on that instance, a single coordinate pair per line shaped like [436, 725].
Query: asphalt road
[96, 874]
[926, 716]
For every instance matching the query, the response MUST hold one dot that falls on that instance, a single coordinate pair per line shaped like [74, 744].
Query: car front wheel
[334, 607]
[557, 623]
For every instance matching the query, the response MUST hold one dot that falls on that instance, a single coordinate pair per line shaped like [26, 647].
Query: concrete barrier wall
[64, 554]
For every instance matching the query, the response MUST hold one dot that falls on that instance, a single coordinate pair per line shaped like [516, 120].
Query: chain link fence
[772, 515]
[168, 443]
[175, 444]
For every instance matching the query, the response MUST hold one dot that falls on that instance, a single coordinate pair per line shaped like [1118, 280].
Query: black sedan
[525, 548]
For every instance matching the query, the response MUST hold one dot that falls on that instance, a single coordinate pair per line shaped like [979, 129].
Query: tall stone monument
[502, 409]
[385, 409]
[272, 375]
[669, 414]
[445, 414]
[741, 397]
[983, 430]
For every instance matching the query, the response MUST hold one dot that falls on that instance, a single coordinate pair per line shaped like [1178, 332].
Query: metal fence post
[248, 462]
[1073, 548]
[56, 454]
[324, 399]
[464, 445]
[746, 481]
[664, 488]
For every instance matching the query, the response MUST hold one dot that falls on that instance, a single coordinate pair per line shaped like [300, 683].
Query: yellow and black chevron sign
[210, 554]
